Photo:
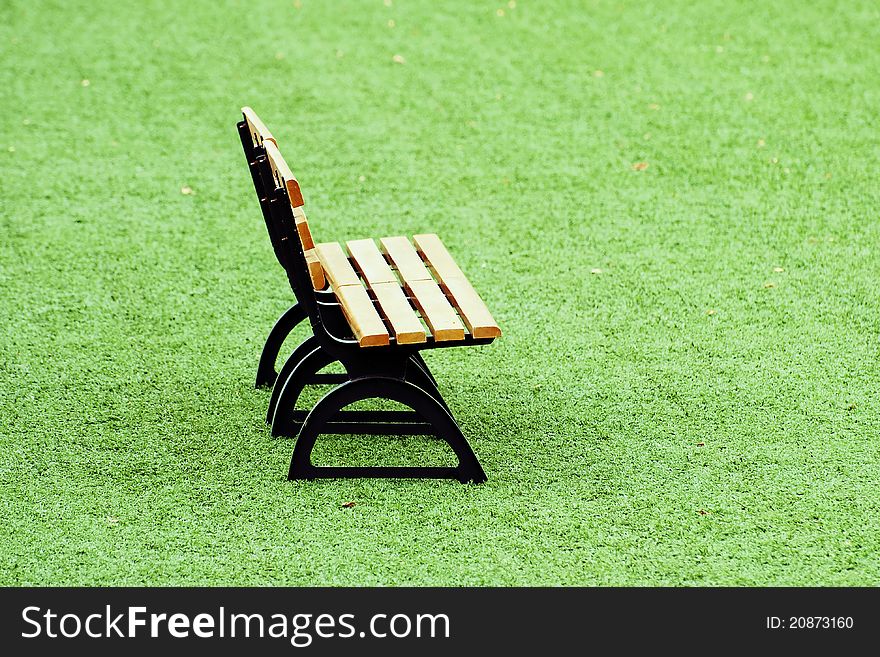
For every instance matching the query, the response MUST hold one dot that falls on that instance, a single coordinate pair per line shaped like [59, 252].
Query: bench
[373, 307]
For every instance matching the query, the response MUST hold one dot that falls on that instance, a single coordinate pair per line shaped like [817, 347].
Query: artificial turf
[671, 209]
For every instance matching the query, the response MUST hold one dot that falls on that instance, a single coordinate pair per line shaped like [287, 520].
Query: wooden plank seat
[373, 307]
[404, 295]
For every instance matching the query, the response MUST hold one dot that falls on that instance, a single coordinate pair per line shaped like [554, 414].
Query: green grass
[630, 436]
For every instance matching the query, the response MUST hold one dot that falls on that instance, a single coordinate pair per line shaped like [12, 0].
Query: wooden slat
[433, 251]
[472, 309]
[404, 322]
[405, 258]
[464, 297]
[370, 262]
[316, 271]
[336, 266]
[365, 322]
[436, 311]
[259, 131]
[302, 227]
[283, 174]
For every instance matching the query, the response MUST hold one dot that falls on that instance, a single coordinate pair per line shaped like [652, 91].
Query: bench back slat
[316, 271]
[302, 228]
[255, 155]
[283, 174]
[257, 129]
[284, 178]
[269, 172]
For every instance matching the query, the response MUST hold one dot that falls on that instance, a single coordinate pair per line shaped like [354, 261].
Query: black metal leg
[409, 394]
[283, 423]
[417, 372]
[286, 323]
[418, 358]
[295, 375]
[303, 349]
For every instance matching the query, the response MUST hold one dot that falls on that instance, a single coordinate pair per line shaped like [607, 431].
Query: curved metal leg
[418, 358]
[416, 372]
[304, 349]
[283, 423]
[286, 323]
[444, 426]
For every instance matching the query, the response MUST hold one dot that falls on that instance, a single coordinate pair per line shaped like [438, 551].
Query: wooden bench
[373, 306]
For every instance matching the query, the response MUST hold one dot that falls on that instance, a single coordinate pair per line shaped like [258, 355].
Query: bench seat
[408, 292]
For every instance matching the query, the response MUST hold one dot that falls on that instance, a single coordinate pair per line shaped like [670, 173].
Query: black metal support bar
[377, 429]
[371, 422]
[385, 472]
[327, 378]
[372, 416]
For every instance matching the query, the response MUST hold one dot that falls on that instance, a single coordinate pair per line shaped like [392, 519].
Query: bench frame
[393, 372]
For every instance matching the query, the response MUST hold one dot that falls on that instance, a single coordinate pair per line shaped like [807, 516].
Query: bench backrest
[269, 170]
[304, 270]
[253, 134]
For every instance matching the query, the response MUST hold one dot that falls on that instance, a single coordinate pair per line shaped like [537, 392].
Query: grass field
[671, 208]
